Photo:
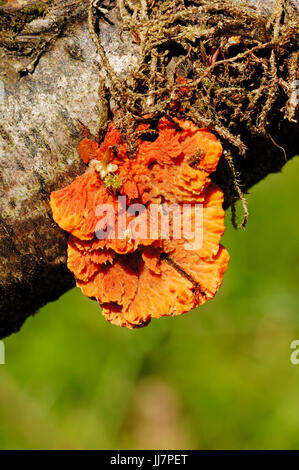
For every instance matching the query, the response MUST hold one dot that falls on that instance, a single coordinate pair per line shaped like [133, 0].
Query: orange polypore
[136, 278]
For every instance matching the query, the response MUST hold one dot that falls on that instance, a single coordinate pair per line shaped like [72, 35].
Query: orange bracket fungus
[129, 247]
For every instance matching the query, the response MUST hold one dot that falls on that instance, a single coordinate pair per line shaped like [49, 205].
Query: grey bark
[41, 97]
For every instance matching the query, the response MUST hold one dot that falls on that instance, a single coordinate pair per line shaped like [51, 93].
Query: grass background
[219, 377]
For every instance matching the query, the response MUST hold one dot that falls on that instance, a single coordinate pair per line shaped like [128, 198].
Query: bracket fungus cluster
[134, 272]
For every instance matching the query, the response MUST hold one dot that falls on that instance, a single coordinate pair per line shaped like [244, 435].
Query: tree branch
[49, 76]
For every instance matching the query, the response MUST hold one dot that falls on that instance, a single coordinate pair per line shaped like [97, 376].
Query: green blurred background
[219, 377]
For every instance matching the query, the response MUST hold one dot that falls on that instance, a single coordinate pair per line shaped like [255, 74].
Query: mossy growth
[34, 10]
[26, 15]
[15, 21]
[237, 67]
[112, 182]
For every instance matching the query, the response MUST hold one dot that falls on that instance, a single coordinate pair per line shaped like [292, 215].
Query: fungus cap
[146, 276]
